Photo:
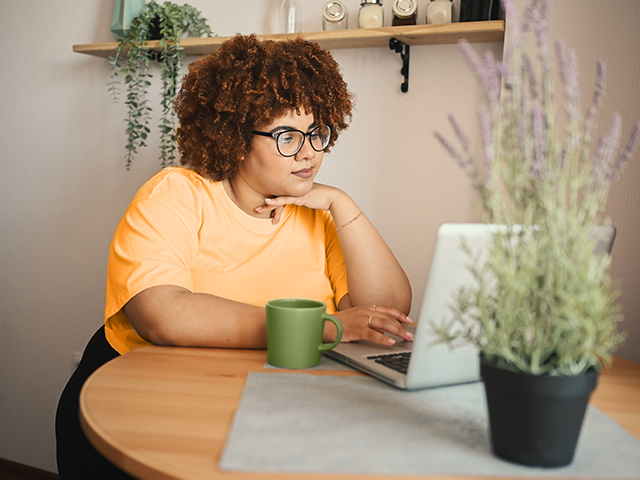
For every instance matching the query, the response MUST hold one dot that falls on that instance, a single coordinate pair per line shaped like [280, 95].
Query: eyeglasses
[290, 142]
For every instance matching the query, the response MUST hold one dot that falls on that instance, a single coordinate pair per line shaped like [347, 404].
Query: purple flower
[511, 16]
[530, 76]
[486, 127]
[471, 57]
[628, 151]
[453, 152]
[462, 138]
[599, 91]
[463, 159]
[537, 15]
[603, 156]
[568, 63]
[539, 121]
[513, 47]
[492, 77]
[488, 72]
[601, 80]
[563, 158]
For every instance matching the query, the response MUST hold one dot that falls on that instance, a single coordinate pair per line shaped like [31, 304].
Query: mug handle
[328, 346]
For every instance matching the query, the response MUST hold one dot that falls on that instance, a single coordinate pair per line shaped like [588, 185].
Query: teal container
[124, 11]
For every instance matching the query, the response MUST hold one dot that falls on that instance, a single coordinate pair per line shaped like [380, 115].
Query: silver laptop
[430, 363]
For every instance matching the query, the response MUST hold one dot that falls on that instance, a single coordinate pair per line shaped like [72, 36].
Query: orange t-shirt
[182, 229]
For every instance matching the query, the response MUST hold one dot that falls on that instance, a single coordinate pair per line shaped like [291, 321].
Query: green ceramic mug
[294, 332]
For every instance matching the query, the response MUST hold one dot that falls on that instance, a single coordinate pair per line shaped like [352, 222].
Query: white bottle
[291, 16]
[439, 11]
[371, 14]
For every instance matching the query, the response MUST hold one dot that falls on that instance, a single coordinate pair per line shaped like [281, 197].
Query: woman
[201, 249]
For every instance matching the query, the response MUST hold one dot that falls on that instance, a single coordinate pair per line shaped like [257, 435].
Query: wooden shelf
[474, 32]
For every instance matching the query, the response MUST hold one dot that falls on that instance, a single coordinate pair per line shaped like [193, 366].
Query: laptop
[425, 362]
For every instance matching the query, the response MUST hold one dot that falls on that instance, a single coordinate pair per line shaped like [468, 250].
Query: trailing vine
[167, 21]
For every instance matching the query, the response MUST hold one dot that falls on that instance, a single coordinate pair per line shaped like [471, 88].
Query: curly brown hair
[247, 84]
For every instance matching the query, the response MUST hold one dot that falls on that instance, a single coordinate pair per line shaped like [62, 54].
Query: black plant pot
[155, 29]
[536, 420]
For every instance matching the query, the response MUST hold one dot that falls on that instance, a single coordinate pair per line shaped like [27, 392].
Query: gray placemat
[326, 363]
[328, 424]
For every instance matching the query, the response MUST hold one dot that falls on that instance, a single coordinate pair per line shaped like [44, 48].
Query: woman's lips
[304, 173]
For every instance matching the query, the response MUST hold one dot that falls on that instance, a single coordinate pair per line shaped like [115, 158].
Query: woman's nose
[306, 152]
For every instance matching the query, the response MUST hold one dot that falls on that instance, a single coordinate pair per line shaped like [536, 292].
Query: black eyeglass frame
[276, 137]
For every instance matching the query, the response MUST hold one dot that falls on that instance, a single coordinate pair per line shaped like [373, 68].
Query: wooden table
[165, 412]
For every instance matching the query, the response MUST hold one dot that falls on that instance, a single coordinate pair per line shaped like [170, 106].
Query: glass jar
[291, 16]
[371, 14]
[405, 12]
[439, 11]
[334, 16]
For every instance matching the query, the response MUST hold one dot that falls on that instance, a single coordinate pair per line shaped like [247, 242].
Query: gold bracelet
[350, 221]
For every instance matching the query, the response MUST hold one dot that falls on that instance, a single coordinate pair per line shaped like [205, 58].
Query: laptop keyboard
[396, 361]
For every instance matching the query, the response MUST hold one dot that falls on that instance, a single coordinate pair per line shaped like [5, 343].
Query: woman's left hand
[371, 323]
[319, 198]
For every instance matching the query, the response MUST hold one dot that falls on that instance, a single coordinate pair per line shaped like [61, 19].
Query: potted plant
[542, 312]
[166, 22]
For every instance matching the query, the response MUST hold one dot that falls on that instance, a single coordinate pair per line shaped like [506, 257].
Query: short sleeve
[155, 243]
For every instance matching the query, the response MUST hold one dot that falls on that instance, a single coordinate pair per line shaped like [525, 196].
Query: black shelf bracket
[403, 49]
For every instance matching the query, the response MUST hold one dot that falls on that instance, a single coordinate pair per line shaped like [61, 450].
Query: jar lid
[375, 2]
[334, 11]
[404, 8]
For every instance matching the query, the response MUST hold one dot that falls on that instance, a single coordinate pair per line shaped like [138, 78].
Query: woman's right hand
[370, 323]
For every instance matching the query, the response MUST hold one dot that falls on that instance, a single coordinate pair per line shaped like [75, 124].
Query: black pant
[77, 459]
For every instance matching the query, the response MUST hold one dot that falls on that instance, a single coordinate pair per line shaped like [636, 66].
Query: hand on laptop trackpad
[401, 345]
[400, 340]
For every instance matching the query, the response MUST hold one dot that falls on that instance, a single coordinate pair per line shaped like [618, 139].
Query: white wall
[63, 186]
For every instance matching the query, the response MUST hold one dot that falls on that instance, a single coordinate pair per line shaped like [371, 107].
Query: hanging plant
[166, 22]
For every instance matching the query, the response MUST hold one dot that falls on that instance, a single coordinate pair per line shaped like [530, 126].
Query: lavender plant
[547, 304]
